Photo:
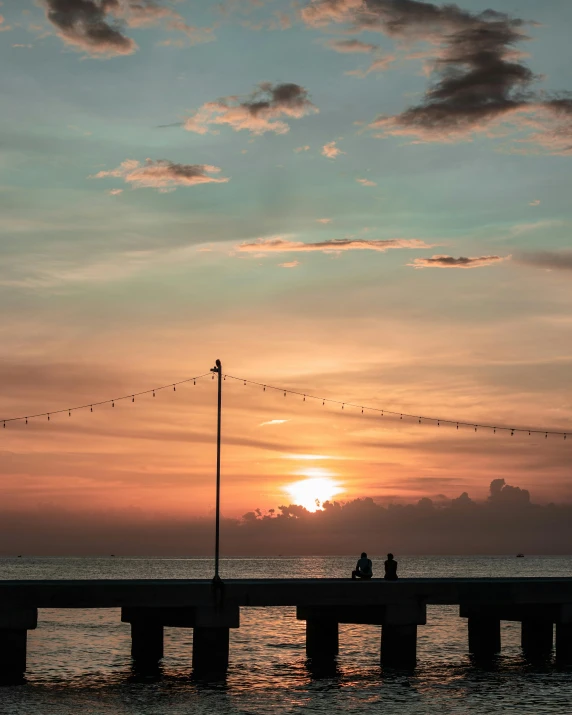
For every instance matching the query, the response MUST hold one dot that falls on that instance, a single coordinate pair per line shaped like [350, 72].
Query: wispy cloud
[379, 65]
[298, 149]
[280, 245]
[549, 260]
[290, 264]
[114, 192]
[163, 174]
[536, 202]
[5, 28]
[351, 46]
[366, 182]
[441, 261]
[324, 220]
[273, 422]
[260, 112]
[331, 150]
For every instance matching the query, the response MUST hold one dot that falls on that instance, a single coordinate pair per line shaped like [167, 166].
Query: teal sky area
[154, 217]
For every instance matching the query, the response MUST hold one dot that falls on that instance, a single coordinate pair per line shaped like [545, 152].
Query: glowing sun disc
[312, 493]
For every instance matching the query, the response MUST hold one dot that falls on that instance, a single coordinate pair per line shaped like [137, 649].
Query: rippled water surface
[79, 663]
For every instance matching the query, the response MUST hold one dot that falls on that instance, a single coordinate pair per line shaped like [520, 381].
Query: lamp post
[218, 369]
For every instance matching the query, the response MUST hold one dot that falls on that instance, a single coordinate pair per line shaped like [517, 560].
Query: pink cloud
[441, 261]
[331, 150]
[281, 245]
[260, 112]
[162, 174]
[291, 264]
[352, 46]
[366, 182]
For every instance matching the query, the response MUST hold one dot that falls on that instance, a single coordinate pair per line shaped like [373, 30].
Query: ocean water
[79, 662]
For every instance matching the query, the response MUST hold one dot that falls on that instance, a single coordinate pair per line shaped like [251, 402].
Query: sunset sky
[363, 201]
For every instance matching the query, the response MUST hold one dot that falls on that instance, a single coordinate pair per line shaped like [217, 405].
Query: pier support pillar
[537, 638]
[484, 636]
[210, 649]
[322, 640]
[14, 627]
[399, 646]
[146, 642]
[564, 643]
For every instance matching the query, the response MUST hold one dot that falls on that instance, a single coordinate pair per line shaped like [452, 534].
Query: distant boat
[520, 556]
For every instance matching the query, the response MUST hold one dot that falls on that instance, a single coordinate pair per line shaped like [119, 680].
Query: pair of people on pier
[364, 568]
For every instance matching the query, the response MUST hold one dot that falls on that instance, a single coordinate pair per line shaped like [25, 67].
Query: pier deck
[212, 609]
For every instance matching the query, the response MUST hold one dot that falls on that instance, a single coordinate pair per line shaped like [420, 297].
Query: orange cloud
[442, 261]
[260, 112]
[281, 245]
[163, 174]
[331, 150]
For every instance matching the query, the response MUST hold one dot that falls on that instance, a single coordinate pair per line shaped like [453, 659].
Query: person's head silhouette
[390, 556]
[364, 555]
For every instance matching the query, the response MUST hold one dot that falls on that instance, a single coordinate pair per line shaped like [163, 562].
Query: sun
[312, 493]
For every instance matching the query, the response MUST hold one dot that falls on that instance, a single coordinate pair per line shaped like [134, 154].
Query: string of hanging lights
[382, 412]
[420, 419]
[99, 403]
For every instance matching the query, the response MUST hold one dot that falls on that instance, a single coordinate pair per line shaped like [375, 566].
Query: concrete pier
[210, 649]
[14, 626]
[399, 646]
[210, 624]
[146, 642]
[537, 638]
[399, 608]
[484, 636]
[322, 638]
[564, 643]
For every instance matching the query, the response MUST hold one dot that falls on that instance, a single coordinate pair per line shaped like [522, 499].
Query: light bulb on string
[174, 388]
[475, 428]
[362, 410]
[154, 391]
[512, 433]
[438, 423]
[194, 382]
[27, 423]
[113, 403]
[69, 413]
[284, 393]
[91, 408]
[457, 425]
[133, 398]
[264, 388]
[400, 417]
[48, 417]
[546, 436]
[343, 403]
[420, 420]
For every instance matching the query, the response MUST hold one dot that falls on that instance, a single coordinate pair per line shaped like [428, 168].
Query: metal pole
[218, 369]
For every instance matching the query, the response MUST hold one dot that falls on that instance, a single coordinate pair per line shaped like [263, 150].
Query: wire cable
[420, 418]
[111, 402]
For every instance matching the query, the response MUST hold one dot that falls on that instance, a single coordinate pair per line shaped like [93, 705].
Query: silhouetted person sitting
[364, 568]
[390, 568]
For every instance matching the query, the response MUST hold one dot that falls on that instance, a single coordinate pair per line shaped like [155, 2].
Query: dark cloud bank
[507, 523]
[479, 76]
